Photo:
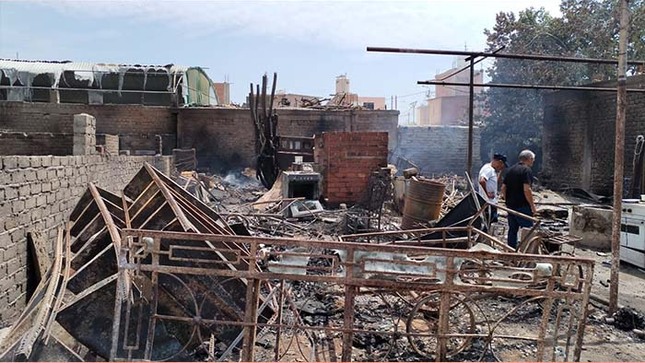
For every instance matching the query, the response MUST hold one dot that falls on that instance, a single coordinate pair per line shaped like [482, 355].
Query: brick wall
[579, 133]
[136, 124]
[437, 149]
[38, 193]
[347, 160]
[20, 143]
[225, 138]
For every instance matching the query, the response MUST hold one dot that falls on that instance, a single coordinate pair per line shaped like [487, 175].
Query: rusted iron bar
[529, 86]
[471, 124]
[555, 58]
[619, 156]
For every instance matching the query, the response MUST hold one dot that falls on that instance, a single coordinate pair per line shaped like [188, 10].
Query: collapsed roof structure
[102, 83]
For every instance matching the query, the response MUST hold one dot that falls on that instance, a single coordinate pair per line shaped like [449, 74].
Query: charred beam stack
[266, 125]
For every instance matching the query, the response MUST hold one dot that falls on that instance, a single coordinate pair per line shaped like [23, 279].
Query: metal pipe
[529, 86]
[619, 155]
[500, 55]
[471, 105]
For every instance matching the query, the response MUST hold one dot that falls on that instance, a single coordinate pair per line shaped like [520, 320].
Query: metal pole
[621, 108]
[555, 58]
[471, 104]
[530, 86]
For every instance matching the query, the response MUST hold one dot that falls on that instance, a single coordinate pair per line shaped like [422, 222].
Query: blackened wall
[579, 134]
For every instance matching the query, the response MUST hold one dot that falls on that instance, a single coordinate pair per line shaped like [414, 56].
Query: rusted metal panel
[455, 283]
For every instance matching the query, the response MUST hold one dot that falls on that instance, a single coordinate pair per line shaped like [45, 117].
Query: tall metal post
[621, 108]
[471, 104]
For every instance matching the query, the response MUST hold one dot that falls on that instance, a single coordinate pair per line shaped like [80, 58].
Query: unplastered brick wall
[347, 160]
[37, 193]
[225, 138]
[21, 143]
[136, 125]
[437, 149]
[579, 136]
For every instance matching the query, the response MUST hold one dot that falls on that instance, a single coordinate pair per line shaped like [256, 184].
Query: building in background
[100, 83]
[450, 104]
[344, 97]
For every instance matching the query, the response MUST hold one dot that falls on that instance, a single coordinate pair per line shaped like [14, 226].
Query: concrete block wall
[437, 150]
[110, 142]
[38, 193]
[347, 160]
[84, 134]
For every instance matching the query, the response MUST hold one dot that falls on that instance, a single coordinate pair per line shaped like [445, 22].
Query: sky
[308, 43]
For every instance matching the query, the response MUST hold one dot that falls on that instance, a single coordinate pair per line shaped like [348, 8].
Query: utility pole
[619, 155]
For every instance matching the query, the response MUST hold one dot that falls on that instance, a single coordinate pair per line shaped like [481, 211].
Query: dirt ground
[604, 342]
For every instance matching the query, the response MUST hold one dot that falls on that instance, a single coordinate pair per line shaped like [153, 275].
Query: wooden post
[621, 108]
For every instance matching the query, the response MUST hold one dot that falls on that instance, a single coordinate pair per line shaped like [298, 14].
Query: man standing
[488, 176]
[516, 190]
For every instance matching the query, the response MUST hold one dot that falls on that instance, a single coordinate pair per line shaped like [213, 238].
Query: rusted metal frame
[346, 237]
[90, 240]
[240, 336]
[90, 290]
[97, 216]
[153, 215]
[118, 207]
[63, 288]
[500, 55]
[471, 123]
[88, 263]
[80, 215]
[530, 86]
[374, 283]
[457, 288]
[444, 311]
[204, 209]
[445, 242]
[201, 217]
[585, 311]
[139, 205]
[155, 299]
[496, 242]
[250, 317]
[126, 211]
[546, 313]
[185, 223]
[287, 242]
[25, 347]
[340, 329]
[348, 315]
[119, 298]
[276, 356]
[107, 217]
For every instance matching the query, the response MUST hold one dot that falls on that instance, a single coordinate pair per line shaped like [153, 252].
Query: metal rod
[500, 55]
[619, 156]
[529, 86]
[471, 105]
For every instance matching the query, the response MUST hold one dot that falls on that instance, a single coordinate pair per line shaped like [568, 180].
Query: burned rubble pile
[212, 268]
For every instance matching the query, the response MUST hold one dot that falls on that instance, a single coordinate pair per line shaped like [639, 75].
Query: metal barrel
[423, 201]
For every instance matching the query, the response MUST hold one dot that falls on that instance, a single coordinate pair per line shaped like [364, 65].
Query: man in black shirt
[516, 190]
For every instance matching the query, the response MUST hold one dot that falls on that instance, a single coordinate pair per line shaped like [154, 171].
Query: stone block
[24, 161]
[593, 224]
[9, 162]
